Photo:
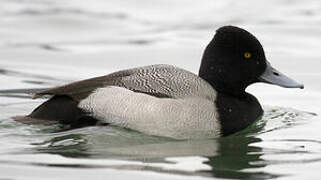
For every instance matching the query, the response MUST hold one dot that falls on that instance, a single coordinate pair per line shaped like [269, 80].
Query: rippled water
[45, 43]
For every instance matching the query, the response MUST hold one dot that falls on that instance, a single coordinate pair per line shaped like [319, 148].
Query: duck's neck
[219, 82]
[235, 91]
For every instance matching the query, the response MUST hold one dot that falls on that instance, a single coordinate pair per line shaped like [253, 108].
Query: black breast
[236, 114]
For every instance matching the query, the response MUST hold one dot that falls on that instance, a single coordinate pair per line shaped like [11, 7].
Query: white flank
[185, 118]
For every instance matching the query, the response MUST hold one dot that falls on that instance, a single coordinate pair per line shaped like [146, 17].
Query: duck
[168, 101]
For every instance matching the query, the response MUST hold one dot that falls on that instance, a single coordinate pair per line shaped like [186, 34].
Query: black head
[233, 60]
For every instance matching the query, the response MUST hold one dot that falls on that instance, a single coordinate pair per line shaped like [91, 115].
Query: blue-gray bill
[273, 76]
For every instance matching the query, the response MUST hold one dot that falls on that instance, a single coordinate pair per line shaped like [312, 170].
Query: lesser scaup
[165, 100]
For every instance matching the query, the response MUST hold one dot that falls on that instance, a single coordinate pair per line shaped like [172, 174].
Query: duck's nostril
[275, 73]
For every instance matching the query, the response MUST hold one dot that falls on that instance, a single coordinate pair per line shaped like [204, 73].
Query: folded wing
[164, 81]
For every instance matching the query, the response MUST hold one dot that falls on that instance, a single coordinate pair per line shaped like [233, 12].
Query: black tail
[59, 109]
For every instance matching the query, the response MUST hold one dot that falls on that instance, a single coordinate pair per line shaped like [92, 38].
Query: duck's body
[165, 100]
[158, 100]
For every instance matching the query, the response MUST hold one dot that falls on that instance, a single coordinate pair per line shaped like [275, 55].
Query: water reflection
[71, 145]
[235, 156]
[228, 157]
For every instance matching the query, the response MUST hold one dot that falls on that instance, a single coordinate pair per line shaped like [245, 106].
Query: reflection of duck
[129, 150]
[165, 100]
[233, 158]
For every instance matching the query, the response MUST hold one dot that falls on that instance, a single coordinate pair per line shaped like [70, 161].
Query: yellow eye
[247, 55]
